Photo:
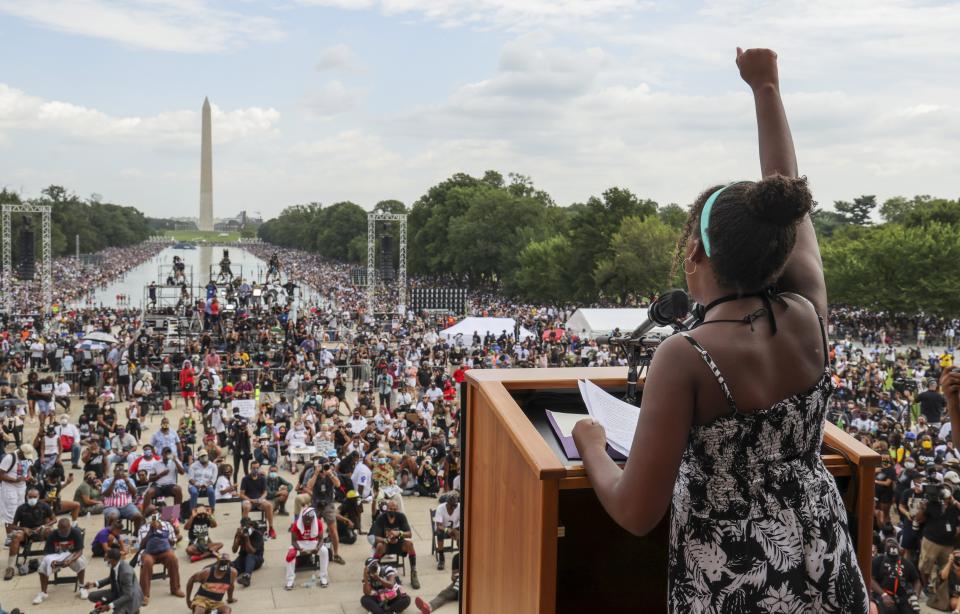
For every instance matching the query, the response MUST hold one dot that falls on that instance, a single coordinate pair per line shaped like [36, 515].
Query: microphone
[668, 310]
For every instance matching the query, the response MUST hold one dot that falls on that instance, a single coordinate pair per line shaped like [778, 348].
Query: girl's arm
[804, 270]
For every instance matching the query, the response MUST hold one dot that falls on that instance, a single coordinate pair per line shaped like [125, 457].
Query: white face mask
[32, 501]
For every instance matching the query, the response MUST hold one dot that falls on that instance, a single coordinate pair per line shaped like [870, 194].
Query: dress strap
[714, 369]
[823, 337]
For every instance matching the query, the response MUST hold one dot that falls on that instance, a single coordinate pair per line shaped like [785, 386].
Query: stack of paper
[618, 418]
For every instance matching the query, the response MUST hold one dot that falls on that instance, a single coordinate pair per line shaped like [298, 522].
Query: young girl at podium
[732, 417]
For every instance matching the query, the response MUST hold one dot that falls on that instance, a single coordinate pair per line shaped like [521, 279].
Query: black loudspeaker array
[27, 265]
[438, 299]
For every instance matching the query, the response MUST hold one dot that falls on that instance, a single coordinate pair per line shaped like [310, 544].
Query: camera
[374, 567]
[931, 492]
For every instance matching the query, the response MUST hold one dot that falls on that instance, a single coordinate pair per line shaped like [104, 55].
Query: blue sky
[328, 100]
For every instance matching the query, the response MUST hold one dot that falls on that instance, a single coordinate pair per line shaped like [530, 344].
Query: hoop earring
[685, 260]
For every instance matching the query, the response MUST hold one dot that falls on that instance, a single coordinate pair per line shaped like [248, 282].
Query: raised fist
[758, 67]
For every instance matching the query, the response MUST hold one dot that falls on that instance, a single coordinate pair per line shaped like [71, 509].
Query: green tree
[641, 255]
[894, 268]
[390, 206]
[336, 226]
[674, 216]
[542, 268]
[827, 222]
[856, 212]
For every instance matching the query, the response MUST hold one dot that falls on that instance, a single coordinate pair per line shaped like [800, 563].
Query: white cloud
[513, 14]
[188, 26]
[333, 98]
[339, 57]
[22, 112]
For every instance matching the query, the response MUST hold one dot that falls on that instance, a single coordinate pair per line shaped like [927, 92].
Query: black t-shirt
[890, 573]
[941, 524]
[252, 487]
[57, 543]
[323, 492]
[32, 517]
[884, 493]
[384, 524]
[954, 582]
[931, 405]
[200, 530]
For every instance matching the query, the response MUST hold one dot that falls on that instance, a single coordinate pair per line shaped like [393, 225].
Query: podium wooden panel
[537, 541]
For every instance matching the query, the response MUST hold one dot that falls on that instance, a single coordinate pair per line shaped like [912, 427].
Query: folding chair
[397, 560]
[434, 550]
[32, 547]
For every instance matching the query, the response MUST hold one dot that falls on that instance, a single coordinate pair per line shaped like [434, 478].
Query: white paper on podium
[618, 418]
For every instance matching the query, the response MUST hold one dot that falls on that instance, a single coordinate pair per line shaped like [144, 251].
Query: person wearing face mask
[951, 575]
[883, 488]
[33, 520]
[167, 438]
[941, 519]
[925, 455]
[69, 436]
[278, 490]
[202, 477]
[122, 593]
[88, 496]
[253, 495]
[305, 539]
[63, 549]
[392, 533]
[908, 505]
[216, 581]
[895, 583]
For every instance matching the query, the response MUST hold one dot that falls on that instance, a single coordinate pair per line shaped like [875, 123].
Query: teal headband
[705, 217]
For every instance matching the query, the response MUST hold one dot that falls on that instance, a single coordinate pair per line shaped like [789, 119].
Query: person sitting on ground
[33, 520]
[64, 549]
[393, 536]
[156, 540]
[305, 540]
[215, 581]
[446, 522]
[253, 494]
[451, 594]
[110, 536]
[198, 534]
[382, 593]
[88, 495]
[248, 546]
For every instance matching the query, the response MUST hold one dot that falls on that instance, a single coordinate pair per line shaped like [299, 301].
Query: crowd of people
[319, 422]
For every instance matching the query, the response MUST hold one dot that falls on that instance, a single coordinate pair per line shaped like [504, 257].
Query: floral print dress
[757, 523]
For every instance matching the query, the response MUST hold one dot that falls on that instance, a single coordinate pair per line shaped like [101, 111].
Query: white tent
[591, 323]
[467, 326]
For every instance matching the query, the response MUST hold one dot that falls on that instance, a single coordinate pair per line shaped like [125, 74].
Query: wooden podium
[535, 538]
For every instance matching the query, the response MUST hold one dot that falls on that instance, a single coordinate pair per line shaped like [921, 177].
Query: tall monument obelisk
[206, 171]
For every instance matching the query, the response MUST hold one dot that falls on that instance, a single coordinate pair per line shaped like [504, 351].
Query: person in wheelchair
[446, 522]
[32, 521]
[306, 541]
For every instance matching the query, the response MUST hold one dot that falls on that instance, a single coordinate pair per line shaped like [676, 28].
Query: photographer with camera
[198, 534]
[895, 584]
[322, 487]
[248, 546]
[382, 592]
[940, 515]
[156, 540]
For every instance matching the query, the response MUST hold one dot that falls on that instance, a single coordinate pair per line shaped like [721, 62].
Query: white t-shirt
[50, 445]
[444, 518]
[362, 477]
[222, 484]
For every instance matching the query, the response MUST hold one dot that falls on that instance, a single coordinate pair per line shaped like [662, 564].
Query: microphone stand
[639, 355]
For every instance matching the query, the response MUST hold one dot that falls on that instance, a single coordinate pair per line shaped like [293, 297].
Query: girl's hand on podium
[589, 434]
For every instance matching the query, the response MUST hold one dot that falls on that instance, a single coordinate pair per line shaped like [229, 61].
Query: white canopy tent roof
[591, 323]
[467, 326]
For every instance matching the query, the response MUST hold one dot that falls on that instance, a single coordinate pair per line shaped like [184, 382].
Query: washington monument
[206, 172]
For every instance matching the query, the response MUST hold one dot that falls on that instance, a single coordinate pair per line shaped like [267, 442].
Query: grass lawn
[198, 235]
